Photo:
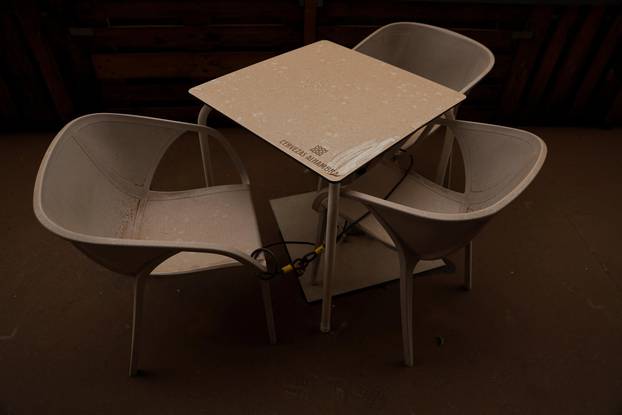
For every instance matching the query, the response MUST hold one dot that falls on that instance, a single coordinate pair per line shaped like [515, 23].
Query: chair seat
[220, 215]
[415, 191]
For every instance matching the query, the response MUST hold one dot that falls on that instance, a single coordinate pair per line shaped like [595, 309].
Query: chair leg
[406, 305]
[139, 289]
[267, 304]
[319, 238]
[443, 171]
[443, 164]
[468, 266]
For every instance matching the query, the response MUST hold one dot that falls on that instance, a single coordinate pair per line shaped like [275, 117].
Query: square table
[333, 110]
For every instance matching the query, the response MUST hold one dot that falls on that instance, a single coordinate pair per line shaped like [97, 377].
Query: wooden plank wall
[145, 55]
[555, 64]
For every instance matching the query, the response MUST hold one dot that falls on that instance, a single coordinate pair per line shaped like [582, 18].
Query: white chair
[438, 54]
[93, 189]
[423, 220]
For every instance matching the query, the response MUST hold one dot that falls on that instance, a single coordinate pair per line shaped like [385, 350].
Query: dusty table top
[329, 107]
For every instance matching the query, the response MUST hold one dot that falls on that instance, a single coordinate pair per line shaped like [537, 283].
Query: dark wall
[555, 63]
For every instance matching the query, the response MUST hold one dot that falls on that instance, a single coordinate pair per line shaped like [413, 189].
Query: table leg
[443, 172]
[331, 248]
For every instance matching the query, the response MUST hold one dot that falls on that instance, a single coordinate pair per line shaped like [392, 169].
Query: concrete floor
[541, 333]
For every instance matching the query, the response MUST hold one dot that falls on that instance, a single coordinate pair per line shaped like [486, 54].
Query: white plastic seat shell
[217, 212]
[440, 55]
[500, 162]
[93, 189]
[92, 205]
[415, 190]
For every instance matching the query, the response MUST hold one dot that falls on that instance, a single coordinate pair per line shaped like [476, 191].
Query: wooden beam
[366, 12]
[550, 58]
[8, 108]
[23, 79]
[597, 67]
[614, 116]
[310, 21]
[200, 66]
[158, 92]
[186, 12]
[564, 82]
[30, 21]
[190, 38]
[525, 61]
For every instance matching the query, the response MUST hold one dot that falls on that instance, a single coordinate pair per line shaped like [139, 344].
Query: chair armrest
[208, 171]
[168, 249]
[204, 130]
[417, 135]
[134, 256]
[203, 113]
[201, 130]
[233, 155]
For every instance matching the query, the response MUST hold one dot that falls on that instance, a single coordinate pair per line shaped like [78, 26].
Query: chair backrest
[97, 169]
[91, 180]
[93, 177]
[500, 162]
[438, 54]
